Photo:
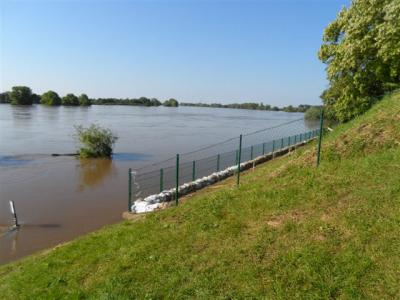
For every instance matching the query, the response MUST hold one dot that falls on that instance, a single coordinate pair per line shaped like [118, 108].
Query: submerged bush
[96, 141]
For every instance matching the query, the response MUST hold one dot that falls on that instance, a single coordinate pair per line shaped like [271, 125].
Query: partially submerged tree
[50, 98]
[70, 100]
[84, 100]
[96, 141]
[171, 102]
[21, 95]
[362, 51]
[5, 97]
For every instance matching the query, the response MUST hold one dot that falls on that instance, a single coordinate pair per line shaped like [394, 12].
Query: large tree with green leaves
[50, 98]
[362, 51]
[21, 95]
[84, 100]
[70, 100]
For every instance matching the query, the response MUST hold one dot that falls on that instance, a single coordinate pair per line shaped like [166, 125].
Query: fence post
[273, 147]
[289, 141]
[161, 180]
[251, 153]
[130, 190]
[177, 180]
[263, 148]
[281, 143]
[194, 170]
[238, 163]
[218, 159]
[321, 125]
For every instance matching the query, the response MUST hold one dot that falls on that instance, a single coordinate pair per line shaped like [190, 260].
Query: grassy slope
[290, 231]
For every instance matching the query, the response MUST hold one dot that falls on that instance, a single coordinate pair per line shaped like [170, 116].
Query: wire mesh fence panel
[162, 175]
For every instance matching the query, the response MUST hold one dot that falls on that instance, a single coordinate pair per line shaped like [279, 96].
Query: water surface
[59, 198]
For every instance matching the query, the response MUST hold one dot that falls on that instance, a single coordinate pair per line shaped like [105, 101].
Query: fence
[173, 172]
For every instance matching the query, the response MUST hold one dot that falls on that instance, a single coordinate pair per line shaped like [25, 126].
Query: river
[59, 198]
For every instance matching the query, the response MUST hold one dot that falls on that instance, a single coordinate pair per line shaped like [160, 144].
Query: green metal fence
[186, 167]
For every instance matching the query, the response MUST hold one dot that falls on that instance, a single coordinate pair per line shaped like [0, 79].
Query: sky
[194, 51]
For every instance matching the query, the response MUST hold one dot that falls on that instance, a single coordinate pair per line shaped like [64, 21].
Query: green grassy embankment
[290, 231]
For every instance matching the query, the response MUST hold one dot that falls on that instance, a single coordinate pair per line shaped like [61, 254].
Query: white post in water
[14, 213]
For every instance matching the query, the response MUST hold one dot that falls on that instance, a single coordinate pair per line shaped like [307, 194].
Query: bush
[97, 141]
[50, 98]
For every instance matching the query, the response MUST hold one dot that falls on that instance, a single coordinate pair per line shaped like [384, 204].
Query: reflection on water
[22, 112]
[92, 172]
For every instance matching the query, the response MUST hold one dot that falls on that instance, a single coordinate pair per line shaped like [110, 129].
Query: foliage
[96, 141]
[362, 51]
[21, 95]
[171, 103]
[84, 100]
[142, 101]
[5, 97]
[50, 98]
[252, 106]
[36, 98]
[70, 100]
[290, 231]
[313, 113]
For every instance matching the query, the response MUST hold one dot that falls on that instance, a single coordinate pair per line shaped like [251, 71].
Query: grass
[291, 231]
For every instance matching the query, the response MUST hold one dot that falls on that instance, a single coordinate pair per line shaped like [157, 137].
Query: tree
[97, 141]
[361, 49]
[35, 98]
[155, 102]
[21, 95]
[171, 103]
[70, 100]
[84, 100]
[50, 98]
[5, 97]
[313, 113]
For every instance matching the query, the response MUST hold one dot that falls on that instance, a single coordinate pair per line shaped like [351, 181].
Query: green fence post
[194, 170]
[218, 159]
[281, 143]
[321, 125]
[177, 180]
[161, 180]
[238, 163]
[130, 190]
[251, 153]
[289, 141]
[273, 146]
[263, 148]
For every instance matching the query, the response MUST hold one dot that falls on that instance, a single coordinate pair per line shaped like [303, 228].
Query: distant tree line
[22, 95]
[142, 101]
[253, 106]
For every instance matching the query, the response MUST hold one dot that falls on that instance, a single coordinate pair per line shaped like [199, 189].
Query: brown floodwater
[60, 198]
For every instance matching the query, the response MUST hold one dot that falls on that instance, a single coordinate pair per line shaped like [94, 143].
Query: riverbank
[290, 231]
